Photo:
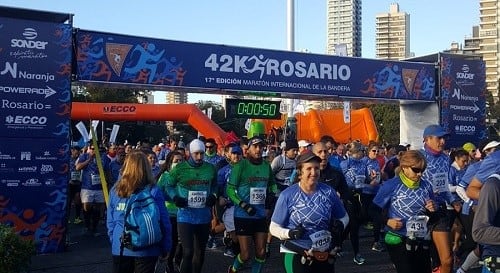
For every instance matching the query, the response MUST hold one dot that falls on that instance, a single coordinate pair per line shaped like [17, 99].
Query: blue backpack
[142, 226]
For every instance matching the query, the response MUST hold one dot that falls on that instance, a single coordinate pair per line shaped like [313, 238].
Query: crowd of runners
[423, 207]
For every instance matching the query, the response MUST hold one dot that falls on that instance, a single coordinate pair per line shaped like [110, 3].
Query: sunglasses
[375, 151]
[209, 147]
[417, 170]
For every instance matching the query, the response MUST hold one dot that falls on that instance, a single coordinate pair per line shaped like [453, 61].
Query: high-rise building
[175, 98]
[489, 20]
[392, 34]
[344, 27]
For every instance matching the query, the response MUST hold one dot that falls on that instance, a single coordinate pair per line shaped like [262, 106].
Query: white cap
[304, 143]
[404, 143]
[196, 146]
[161, 144]
[491, 144]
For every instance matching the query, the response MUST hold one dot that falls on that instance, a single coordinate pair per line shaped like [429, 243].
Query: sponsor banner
[34, 175]
[463, 102]
[104, 57]
[35, 73]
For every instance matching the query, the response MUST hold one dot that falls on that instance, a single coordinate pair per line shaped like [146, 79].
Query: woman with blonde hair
[135, 175]
[409, 201]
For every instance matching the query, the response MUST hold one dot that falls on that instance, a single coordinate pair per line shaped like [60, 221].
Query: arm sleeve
[483, 229]
[278, 231]
[171, 184]
[462, 194]
[233, 183]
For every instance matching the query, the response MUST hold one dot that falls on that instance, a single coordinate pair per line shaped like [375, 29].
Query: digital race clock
[258, 109]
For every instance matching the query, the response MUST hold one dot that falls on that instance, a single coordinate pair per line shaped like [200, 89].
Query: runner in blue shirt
[310, 218]
[408, 199]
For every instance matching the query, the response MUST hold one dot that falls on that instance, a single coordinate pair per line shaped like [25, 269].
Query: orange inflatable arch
[154, 112]
[315, 123]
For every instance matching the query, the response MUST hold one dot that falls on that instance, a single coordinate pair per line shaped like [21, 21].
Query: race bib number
[257, 196]
[359, 181]
[76, 176]
[321, 240]
[416, 226]
[197, 199]
[95, 179]
[439, 182]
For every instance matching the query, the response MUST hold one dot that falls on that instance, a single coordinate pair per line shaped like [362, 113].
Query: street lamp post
[291, 123]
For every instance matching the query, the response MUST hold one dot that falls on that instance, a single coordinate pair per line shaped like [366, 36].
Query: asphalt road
[89, 254]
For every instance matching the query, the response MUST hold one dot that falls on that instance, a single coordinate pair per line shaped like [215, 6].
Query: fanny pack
[308, 255]
[492, 264]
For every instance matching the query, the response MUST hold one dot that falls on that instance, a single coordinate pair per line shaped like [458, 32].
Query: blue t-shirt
[470, 172]
[490, 165]
[355, 172]
[90, 173]
[403, 202]
[372, 166]
[438, 167]
[455, 176]
[315, 212]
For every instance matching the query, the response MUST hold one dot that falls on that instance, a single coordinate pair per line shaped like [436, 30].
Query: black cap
[291, 144]
[255, 140]
[307, 157]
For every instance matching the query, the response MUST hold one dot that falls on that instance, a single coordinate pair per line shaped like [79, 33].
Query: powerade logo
[119, 109]
[29, 42]
[465, 75]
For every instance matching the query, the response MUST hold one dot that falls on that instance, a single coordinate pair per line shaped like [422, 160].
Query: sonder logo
[29, 35]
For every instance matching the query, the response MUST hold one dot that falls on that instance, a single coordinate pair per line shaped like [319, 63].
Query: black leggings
[292, 263]
[129, 264]
[175, 255]
[193, 238]
[418, 261]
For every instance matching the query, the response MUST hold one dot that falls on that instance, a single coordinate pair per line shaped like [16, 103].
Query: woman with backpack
[136, 191]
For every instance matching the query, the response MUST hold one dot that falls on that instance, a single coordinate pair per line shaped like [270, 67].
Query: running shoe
[358, 259]
[436, 269]
[379, 247]
[211, 244]
[77, 221]
[229, 253]
[230, 269]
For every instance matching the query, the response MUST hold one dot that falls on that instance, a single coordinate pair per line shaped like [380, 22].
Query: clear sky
[434, 24]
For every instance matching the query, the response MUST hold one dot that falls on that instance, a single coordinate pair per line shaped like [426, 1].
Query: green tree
[386, 117]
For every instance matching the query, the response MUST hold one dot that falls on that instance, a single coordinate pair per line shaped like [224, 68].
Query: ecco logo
[466, 128]
[32, 120]
[119, 109]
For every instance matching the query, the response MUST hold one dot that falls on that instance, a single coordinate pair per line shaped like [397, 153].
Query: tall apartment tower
[392, 34]
[344, 27]
[175, 98]
[489, 20]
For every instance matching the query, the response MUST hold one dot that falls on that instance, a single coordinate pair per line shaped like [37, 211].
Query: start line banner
[114, 58]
